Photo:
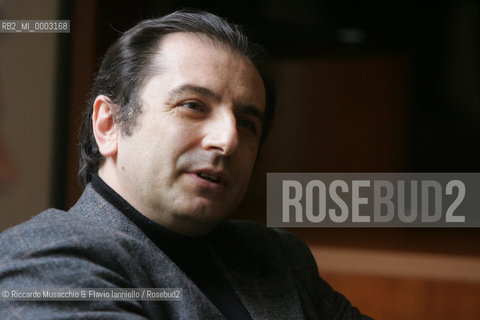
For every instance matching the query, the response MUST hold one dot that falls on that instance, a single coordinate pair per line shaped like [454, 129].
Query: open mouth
[209, 177]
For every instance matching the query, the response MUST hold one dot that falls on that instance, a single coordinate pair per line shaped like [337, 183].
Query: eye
[193, 105]
[247, 124]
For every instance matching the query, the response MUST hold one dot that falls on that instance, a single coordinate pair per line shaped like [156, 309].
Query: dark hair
[126, 67]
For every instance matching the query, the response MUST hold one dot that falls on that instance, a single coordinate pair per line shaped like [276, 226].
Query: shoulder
[25, 236]
[91, 224]
[53, 227]
[57, 247]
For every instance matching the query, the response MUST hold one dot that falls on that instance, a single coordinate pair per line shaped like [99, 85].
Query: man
[179, 109]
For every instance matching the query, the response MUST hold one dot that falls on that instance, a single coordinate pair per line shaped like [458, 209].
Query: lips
[217, 177]
[209, 177]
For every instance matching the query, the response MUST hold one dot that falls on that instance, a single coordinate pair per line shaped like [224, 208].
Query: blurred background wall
[28, 65]
[364, 86]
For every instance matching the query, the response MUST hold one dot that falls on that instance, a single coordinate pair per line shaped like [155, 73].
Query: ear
[104, 128]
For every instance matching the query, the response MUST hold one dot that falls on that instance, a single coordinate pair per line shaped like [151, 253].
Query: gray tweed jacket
[93, 245]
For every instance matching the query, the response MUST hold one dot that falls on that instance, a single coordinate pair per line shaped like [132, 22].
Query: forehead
[196, 59]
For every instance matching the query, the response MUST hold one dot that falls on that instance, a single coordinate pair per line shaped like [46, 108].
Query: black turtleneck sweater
[190, 254]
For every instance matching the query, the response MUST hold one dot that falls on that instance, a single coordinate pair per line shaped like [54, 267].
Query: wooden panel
[341, 114]
[403, 285]
[394, 298]
[390, 263]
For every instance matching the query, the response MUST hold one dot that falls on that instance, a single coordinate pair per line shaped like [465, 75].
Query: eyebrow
[184, 88]
[243, 109]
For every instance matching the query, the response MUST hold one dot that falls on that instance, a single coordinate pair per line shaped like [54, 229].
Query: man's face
[189, 160]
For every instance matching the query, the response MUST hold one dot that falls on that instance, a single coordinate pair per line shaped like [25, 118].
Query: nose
[221, 134]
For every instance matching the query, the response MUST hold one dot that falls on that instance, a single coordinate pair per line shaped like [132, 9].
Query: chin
[205, 214]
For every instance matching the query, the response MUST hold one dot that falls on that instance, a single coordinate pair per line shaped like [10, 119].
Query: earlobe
[104, 128]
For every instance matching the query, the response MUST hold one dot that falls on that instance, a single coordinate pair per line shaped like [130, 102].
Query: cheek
[180, 131]
[167, 135]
